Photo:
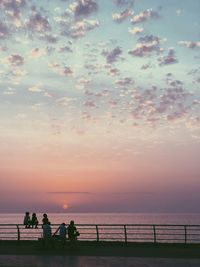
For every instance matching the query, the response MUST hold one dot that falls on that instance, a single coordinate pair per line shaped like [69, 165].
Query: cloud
[190, 44]
[4, 31]
[64, 101]
[83, 8]
[129, 3]
[67, 71]
[65, 48]
[38, 52]
[38, 23]
[35, 88]
[144, 16]
[68, 192]
[49, 38]
[83, 82]
[12, 7]
[135, 30]
[125, 81]
[79, 28]
[119, 17]
[145, 46]
[170, 58]
[114, 72]
[90, 104]
[113, 55]
[16, 60]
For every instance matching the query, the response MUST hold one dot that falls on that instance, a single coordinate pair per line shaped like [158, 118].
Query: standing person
[62, 233]
[72, 231]
[47, 234]
[45, 219]
[34, 220]
[27, 220]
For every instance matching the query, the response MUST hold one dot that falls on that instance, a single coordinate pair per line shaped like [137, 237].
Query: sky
[99, 106]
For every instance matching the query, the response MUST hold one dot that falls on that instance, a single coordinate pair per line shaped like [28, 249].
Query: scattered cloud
[119, 17]
[16, 60]
[135, 30]
[38, 23]
[80, 28]
[120, 3]
[83, 8]
[144, 16]
[113, 55]
[4, 31]
[145, 46]
[35, 88]
[170, 58]
[38, 52]
[190, 44]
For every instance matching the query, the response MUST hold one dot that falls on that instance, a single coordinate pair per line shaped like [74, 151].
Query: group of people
[30, 221]
[63, 231]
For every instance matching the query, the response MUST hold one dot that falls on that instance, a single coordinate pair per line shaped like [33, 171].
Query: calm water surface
[112, 218]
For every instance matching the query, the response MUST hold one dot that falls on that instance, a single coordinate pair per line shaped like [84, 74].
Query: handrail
[153, 233]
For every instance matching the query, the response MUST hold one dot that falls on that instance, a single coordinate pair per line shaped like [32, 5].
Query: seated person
[72, 231]
[34, 220]
[62, 233]
[27, 220]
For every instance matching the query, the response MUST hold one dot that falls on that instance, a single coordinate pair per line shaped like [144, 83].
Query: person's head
[72, 222]
[63, 224]
[34, 215]
[45, 215]
[27, 213]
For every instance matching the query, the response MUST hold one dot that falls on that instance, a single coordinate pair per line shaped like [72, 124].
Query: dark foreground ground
[116, 249]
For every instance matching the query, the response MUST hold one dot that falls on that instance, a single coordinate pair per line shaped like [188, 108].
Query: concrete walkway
[92, 261]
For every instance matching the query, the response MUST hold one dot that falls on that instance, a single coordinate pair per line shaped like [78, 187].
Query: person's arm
[56, 231]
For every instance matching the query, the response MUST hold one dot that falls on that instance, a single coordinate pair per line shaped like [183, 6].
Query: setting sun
[65, 206]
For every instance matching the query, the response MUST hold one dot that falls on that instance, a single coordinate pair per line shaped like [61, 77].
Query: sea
[109, 218]
[139, 226]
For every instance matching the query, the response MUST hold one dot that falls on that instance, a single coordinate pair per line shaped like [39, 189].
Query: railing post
[97, 231]
[125, 234]
[18, 233]
[154, 233]
[185, 230]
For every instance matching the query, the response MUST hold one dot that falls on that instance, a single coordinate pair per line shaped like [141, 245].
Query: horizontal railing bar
[165, 225]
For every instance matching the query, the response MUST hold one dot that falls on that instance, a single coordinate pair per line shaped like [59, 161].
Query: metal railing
[157, 233]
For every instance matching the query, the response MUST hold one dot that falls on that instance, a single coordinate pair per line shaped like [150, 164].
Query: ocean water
[141, 233]
[108, 218]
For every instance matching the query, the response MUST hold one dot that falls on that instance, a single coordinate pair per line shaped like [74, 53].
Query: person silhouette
[34, 221]
[47, 234]
[72, 231]
[62, 233]
[27, 220]
[45, 219]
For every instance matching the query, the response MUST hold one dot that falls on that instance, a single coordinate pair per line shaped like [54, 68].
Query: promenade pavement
[91, 261]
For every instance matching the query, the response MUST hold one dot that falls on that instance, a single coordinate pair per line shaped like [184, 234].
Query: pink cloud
[4, 31]
[79, 28]
[119, 17]
[146, 45]
[113, 55]
[13, 7]
[38, 23]
[170, 58]
[130, 3]
[84, 7]
[16, 60]
[190, 44]
[67, 71]
[144, 16]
